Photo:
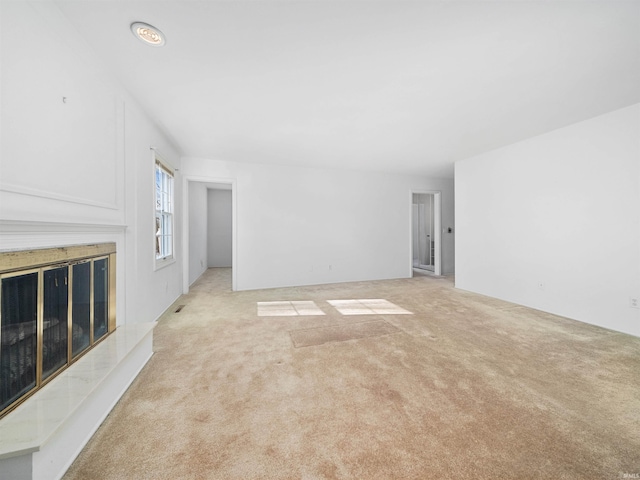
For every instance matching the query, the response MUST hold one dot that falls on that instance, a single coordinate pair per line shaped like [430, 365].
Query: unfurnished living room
[305, 239]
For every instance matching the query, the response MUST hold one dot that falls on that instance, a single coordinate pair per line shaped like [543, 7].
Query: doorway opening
[425, 232]
[219, 227]
[210, 228]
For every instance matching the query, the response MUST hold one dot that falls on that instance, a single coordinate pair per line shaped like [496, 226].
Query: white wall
[219, 228]
[197, 230]
[75, 159]
[553, 222]
[301, 226]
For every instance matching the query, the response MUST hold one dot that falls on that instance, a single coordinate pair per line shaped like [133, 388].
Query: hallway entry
[219, 234]
[209, 227]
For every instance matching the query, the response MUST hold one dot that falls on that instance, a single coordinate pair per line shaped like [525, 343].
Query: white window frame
[163, 217]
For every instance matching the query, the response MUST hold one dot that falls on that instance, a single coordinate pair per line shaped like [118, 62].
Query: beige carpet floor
[464, 387]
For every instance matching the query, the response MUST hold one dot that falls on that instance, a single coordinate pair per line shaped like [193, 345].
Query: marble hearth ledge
[42, 437]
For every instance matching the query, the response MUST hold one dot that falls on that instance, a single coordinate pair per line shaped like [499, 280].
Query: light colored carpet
[307, 337]
[465, 387]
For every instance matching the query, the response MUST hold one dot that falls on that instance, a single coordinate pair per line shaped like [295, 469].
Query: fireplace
[56, 304]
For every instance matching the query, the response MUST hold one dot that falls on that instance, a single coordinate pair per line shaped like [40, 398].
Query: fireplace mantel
[34, 226]
[18, 227]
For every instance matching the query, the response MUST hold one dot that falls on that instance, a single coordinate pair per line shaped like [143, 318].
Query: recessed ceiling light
[148, 34]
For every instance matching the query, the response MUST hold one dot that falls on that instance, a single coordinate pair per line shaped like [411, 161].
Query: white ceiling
[380, 85]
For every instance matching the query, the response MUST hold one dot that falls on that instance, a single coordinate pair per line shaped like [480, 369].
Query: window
[164, 212]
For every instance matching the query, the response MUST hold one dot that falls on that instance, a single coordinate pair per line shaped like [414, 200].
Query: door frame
[437, 227]
[186, 179]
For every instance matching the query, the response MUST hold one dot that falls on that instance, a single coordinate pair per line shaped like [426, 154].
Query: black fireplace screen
[19, 336]
[56, 312]
[49, 317]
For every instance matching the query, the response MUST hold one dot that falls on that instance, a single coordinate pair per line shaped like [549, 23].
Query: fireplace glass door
[55, 330]
[18, 345]
[51, 314]
[100, 298]
[81, 310]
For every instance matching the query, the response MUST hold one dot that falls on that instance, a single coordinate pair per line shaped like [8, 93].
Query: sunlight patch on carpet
[340, 333]
[288, 309]
[368, 306]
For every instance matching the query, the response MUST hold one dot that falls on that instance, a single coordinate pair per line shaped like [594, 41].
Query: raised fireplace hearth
[64, 363]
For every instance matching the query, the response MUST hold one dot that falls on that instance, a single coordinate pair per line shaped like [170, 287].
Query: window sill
[162, 263]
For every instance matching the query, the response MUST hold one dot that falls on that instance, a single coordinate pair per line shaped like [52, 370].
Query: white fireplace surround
[41, 438]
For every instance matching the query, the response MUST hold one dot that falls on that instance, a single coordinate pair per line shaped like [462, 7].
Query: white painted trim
[437, 210]
[185, 226]
[157, 155]
[22, 227]
[161, 263]
[33, 192]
